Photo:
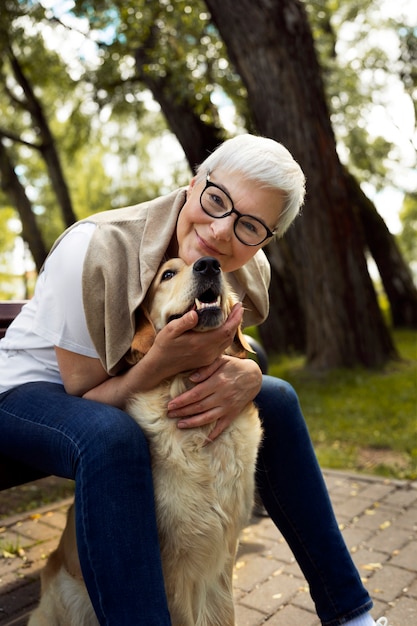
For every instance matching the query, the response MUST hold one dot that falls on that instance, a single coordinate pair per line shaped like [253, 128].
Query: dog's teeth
[206, 305]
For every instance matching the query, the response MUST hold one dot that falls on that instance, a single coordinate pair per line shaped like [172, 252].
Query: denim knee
[277, 401]
[114, 435]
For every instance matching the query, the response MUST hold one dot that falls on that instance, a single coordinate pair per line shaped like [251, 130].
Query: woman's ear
[143, 339]
[190, 186]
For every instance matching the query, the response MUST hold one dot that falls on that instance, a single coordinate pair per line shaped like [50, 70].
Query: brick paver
[378, 518]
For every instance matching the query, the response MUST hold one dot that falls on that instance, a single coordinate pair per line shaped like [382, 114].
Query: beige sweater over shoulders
[123, 256]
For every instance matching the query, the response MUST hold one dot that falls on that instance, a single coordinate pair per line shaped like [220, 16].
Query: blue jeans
[293, 491]
[105, 452]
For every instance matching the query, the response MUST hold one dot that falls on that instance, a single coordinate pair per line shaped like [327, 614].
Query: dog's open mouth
[208, 307]
[207, 300]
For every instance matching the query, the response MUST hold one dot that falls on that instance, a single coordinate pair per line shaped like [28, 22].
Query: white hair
[265, 162]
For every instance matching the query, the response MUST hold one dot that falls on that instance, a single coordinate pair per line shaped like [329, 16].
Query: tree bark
[284, 330]
[13, 188]
[47, 146]
[271, 45]
[395, 274]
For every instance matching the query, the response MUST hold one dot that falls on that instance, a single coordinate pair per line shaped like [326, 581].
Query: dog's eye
[167, 275]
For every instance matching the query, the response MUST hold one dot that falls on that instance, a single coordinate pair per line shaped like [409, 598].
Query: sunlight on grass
[9, 549]
[359, 419]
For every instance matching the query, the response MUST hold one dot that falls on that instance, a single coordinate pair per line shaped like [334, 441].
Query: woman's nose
[223, 228]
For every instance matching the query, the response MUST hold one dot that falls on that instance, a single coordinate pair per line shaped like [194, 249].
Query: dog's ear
[240, 346]
[143, 339]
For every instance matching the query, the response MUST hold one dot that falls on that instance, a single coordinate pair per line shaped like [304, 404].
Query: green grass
[10, 549]
[359, 419]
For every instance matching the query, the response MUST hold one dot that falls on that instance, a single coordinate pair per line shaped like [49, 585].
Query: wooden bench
[13, 473]
[8, 311]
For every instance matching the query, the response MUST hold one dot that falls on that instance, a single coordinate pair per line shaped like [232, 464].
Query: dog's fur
[203, 491]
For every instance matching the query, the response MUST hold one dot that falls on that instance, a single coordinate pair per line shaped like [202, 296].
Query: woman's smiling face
[199, 234]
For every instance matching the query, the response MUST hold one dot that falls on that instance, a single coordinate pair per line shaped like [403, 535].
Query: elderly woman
[65, 381]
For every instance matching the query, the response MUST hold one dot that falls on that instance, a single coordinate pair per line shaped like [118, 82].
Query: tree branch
[7, 134]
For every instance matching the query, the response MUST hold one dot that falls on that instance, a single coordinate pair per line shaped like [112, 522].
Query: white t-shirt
[53, 317]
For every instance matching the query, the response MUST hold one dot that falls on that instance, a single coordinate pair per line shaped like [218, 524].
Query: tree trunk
[271, 45]
[395, 274]
[47, 147]
[284, 330]
[13, 188]
[196, 137]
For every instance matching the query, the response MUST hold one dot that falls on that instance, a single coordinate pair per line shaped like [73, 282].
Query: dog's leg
[64, 603]
[64, 598]
[219, 607]
[48, 612]
[181, 591]
[42, 618]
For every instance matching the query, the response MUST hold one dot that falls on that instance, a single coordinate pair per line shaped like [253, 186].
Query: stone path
[379, 522]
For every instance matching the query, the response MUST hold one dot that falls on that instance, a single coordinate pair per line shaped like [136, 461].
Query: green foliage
[6, 234]
[408, 236]
[175, 42]
[100, 111]
[357, 69]
[95, 111]
[9, 229]
[178, 44]
[26, 51]
[407, 62]
[360, 419]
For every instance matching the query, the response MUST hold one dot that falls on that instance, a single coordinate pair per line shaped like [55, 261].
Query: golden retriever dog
[203, 490]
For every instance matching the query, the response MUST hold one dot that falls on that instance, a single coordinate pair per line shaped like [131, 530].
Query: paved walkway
[379, 522]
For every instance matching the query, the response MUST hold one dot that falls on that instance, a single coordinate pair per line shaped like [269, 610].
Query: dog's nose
[207, 265]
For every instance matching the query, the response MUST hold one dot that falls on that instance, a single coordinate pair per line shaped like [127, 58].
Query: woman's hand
[178, 348]
[221, 392]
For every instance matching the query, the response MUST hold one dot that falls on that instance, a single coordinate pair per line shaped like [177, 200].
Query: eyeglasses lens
[217, 204]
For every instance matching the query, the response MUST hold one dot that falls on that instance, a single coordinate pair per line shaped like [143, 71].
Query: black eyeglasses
[250, 230]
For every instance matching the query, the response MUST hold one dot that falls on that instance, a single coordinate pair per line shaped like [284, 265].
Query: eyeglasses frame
[239, 215]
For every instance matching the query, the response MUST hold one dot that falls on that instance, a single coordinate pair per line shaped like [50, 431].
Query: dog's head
[178, 288]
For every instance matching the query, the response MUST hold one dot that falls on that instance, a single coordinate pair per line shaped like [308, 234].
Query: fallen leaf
[371, 567]
[8, 555]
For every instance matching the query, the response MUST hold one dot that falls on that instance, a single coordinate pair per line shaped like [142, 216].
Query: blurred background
[105, 104]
